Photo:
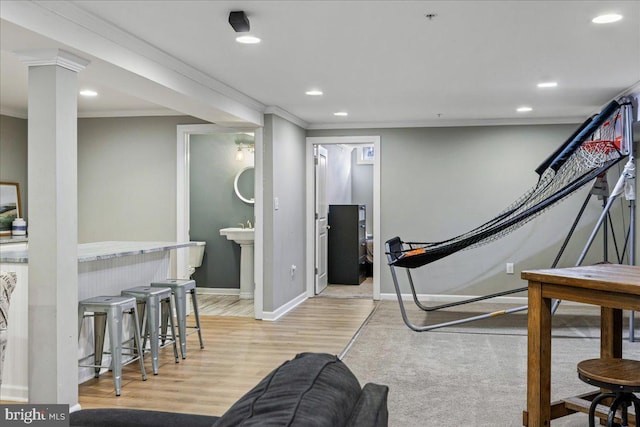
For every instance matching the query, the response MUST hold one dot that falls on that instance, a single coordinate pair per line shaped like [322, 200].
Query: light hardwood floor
[238, 353]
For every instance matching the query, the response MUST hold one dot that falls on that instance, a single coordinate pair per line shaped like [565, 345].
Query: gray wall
[440, 182]
[127, 178]
[13, 156]
[214, 205]
[284, 230]
[362, 187]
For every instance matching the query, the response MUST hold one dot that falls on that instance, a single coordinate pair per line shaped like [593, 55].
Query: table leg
[539, 358]
[610, 332]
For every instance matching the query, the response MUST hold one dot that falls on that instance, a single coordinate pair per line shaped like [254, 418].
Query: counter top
[102, 250]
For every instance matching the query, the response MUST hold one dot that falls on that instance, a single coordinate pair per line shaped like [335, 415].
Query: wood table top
[605, 277]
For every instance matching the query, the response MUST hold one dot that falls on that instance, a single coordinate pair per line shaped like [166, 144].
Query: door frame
[184, 132]
[310, 205]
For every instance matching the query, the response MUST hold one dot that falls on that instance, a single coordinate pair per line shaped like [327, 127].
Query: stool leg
[115, 336]
[594, 403]
[99, 320]
[136, 337]
[614, 407]
[173, 328]
[181, 314]
[153, 309]
[194, 302]
[141, 306]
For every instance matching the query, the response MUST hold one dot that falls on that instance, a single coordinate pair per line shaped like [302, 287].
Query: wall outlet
[293, 270]
[276, 203]
[509, 268]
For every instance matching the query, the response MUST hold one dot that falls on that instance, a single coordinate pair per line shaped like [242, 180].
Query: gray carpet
[473, 374]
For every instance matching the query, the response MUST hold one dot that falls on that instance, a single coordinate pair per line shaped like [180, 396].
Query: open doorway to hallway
[349, 190]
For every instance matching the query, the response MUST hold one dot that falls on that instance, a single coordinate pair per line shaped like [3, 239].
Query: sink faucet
[249, 224]
[241, 224]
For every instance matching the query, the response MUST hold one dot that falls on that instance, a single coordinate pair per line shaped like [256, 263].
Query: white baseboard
[14, 393]
[455, 298]
[218, 291]
[275, 315]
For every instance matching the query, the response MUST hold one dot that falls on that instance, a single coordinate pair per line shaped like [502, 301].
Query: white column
[53, 225]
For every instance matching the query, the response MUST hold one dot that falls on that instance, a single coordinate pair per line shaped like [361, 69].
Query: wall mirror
[244, 185]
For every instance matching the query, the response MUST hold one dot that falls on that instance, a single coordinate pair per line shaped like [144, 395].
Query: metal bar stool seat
[151, 302]
[621, 377]
[179, 289]
[111, 309]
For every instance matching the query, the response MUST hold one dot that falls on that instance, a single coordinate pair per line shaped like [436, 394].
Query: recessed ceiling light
[524, 109]
[341, 113]
[248, 39]
[607, 19]
[313, 92]
[88, 92]
[548, 84]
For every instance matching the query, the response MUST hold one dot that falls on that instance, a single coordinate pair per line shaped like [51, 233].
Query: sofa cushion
[314, 389]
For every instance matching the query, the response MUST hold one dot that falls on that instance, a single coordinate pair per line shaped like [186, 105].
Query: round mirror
[244, 184]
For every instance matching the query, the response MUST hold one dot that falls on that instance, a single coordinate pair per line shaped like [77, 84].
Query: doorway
[183, 200]
[314, 242]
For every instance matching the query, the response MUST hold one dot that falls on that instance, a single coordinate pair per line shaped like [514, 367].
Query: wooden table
[613, 287]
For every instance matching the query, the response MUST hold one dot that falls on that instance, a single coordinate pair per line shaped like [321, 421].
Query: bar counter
[104, 268]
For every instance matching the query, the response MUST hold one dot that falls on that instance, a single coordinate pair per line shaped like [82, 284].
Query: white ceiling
[383, 62]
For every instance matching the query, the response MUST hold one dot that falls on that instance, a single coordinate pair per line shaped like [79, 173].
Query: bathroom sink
[244, 237]
[241, 236]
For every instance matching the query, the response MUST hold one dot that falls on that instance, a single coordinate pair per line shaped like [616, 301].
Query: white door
[321, 214]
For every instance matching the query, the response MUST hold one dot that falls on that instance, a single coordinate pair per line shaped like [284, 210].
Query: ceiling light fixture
[313, 92]
[547, 84]
[524, 109]
[88, 93]
[240, 23]
[341, 113]
[248, 39]
[607, 18]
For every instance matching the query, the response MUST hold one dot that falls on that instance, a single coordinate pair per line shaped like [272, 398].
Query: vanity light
[524, 109]
[341, 113]
[248, 39]
[88, 93]
[313, 92]
[239, 155]
[547, 84]
[607, 18]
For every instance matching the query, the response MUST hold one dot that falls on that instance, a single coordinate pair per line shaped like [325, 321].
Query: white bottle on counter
[19, 227]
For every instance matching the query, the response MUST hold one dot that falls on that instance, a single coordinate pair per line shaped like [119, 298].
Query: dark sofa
[312, 390]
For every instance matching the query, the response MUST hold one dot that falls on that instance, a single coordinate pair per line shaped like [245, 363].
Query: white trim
[11, 112]
[15, 393]
[129, 113]
[444, 299]
[273, 109]
[59, 57]
[448, 123]
[284, 309]
[310, 205]
[182, 202]
[218, 291]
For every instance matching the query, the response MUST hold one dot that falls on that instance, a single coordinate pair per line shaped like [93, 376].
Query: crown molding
[14, 112]
[272, 109]
[129, 113]
[59, 57]
[447, 123]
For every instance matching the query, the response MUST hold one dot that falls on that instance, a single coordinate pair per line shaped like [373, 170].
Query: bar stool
[152, 300]
[179, 289]
[622, 377]
[110, 310]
